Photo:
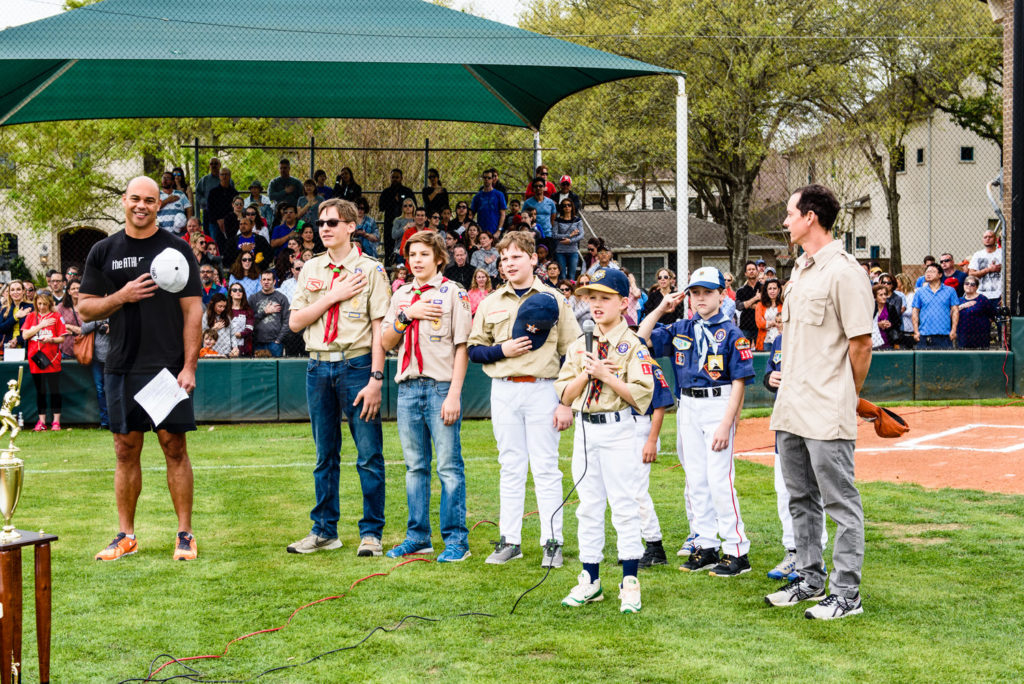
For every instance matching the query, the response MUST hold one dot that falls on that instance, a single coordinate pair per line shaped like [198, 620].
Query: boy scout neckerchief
[602, 353]
[704, 337]
[331, 324]
[412, 342]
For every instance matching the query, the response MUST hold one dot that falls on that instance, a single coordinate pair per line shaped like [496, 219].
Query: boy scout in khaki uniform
[604, 385]
[429, 321]
[340, 298]
[525, 413]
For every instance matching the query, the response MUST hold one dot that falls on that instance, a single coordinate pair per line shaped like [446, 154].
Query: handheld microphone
[588, 333]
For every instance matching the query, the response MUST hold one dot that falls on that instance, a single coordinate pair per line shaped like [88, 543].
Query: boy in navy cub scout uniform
[712, 361]
[603, 385]
[648, 427]
[786, 569]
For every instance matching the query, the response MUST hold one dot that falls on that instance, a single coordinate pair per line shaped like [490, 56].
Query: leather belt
[701, 392]
[608, 417]
[522, 378]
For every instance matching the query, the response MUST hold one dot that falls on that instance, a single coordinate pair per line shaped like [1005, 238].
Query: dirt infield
[966, 447]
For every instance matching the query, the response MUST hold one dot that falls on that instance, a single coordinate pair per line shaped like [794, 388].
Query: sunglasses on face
[330, 223]
[246, 260]
[236, 291]
[435, 217]
[972, 283]
[663, 277]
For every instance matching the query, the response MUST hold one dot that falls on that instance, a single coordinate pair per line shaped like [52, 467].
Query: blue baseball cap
[537, 315]
[709, 277]
[610, 280]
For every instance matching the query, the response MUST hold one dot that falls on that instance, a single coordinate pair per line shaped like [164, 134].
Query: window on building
[7, 170]
[8, 246]
[967, 154]
[695, 207]
[644, 268]
[920, 156]
[862, 242]
[899, 160]
[658, 203]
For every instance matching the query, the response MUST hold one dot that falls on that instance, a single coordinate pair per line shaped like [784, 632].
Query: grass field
[942, 590]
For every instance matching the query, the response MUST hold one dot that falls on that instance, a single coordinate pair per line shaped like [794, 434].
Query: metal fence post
[312, 157]
[536, 153]
[195, 180]
[426, 159]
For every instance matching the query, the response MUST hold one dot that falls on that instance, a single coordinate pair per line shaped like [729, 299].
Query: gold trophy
[12, 469]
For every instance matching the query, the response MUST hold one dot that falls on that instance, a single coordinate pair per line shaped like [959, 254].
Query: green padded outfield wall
[266, 390]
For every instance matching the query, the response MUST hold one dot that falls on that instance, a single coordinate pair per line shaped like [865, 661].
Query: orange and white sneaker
[186, 547]
[123, 545]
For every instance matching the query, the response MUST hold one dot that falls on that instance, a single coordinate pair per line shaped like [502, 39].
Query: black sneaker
[700, 559]
[731, 566]
[654, 554]
[835, 607]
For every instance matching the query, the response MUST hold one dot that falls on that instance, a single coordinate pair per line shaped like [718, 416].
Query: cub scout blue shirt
[732, 360]
[775, 358]
[662, 397]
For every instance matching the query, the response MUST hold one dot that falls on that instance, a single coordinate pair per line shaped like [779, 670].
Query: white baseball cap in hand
[709, 277]
[170, 270]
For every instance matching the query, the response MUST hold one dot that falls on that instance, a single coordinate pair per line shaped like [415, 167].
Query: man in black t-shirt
[747, 298]
[151, 329]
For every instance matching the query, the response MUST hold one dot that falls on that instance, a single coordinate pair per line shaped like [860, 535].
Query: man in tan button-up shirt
[827, 317]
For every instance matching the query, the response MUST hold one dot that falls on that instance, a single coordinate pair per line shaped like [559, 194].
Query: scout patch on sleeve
[380, 269]
[746, 355]
[646, 368]
[742, 343]
[660, 376]
[680, 359]
[678, 342]
[314, 284]
[777, 357]
[641, 354]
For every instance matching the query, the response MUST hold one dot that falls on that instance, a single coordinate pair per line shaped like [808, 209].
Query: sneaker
[796, 575]
[186, 549]
[835, 607]
[584, 592]
[453, 554]
[786, 566]
[369, 546]
[410, 548]
[40, 426]
[504, 552]
[730, 566]
[654, 554]
[123, 545]
[629, 595]
[314, 542]
[700, 559]
[55, 427]
[554, 560]
[793, 593]
[688, 547]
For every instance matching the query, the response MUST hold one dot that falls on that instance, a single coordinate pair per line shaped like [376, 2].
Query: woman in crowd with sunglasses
[44, 332]
[568, 232]
[460, 222]
[663, 286]
[233, 219]
[242, 321]
[408, 216]
[905, 290]
[245, 274]
[974, 327]
[181, 184]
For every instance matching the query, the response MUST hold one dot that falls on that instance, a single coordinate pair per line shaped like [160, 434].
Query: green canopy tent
[392, 59]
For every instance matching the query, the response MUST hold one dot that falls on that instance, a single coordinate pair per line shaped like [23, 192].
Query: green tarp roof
[396, 59]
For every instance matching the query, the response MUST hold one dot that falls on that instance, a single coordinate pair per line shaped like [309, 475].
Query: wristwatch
[403, 319]
[377, 375]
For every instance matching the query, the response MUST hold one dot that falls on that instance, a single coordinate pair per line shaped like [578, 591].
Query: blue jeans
[331, 387]
[568, 262]
[419, 421]
[276, 349]
[101, 391]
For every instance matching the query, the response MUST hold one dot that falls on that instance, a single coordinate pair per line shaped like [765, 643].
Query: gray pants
[818, 471]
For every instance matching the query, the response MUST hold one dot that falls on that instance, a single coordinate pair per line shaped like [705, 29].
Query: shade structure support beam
[508, 105]
[682, 184]
[40, 88]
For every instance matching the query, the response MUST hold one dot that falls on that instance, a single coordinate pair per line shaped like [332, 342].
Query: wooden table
[10, 598]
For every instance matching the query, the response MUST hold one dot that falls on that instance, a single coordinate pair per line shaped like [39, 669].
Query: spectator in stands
[565, 193]
[218, 319]
[471, 238]
[100, 348]
[309, 241]
[885, 330]
[927, 261]
[481, 287]
[203, 188]
[936, 312]
[73, 273]
[435, 196]
[593, 244]
[209, 348]
[894, 297]
[449, 242]
[987, 266]
[974, 326]
[747, 298]
[264, 206]
[233, 219]
[57, 286]
[208, 279]
[287, 287]
[419, 222]
[320, 178]
[241, 321]
[446, 219]
[346, 188]
[213, 257]
[246, 242]
[728, 292]
[270, 317]
[175, 208]
[285, 188]
[486, 257]
[552, 274]
[366, 233]
[874, 272]
[543, 259]
[181, 185]
[283, 262]
[549, 187]
[13, 311]
[44, 333]
[434, 224]
[949, 270]
[309, 204]
[198, 244]
[634, 303]
[30, 290]
[460, 270]
[663, 286]
[461, 220]
[498, 185]
[67, 309]
[260, 225]
[567, 231]
[905, 290]
[192, 228]
[580, 306]
[545, 207]
[400, 223]
[513, 216]
[604, 260]
[246, 274]
[219, 206]
[401, 275]
[288, 228]
[393, 201]
[488, 206]
[307, 254]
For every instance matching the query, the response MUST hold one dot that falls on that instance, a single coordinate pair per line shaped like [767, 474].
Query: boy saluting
[712, 361]
[603, 386]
